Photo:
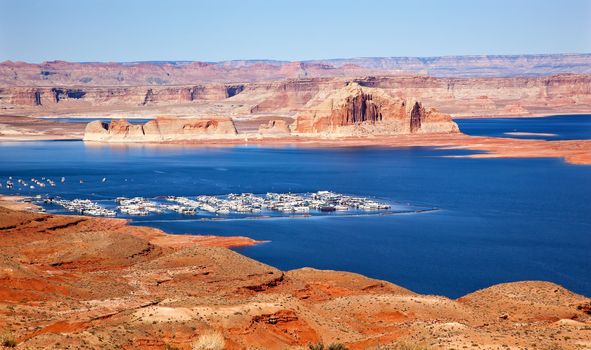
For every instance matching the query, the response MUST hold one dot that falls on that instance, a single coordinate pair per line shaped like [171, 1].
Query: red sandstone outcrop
[95, 283]
[572, 151]
[566, 93]
[355, 110]
[60, 98]
[277, 127]
[515, 108]
[161, 129]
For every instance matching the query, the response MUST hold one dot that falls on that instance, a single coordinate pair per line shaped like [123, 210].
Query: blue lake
[499, 220]
[559, 127]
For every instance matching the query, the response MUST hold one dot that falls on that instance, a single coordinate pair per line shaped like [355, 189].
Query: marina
[270, 203]
[408, 180]
[243, 203]
[83, 206]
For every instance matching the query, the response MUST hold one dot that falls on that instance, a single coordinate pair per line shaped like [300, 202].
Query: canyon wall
[567, 93]
[64, 98]
[161, 129]
[462, 85]
[357, 110]
[69, 74]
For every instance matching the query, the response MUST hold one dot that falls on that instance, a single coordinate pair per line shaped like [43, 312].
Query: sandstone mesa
[160, 129]
[352, 110]
[361, 110]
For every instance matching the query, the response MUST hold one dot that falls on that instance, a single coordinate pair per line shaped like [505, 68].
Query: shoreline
[454, 116]
[572, 151]
[18, 203]
[166, 290]
[524, 133]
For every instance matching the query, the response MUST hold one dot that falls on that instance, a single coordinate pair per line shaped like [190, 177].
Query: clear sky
[140, 30]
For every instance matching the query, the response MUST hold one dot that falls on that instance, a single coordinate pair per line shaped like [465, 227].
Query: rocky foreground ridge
[79, 282]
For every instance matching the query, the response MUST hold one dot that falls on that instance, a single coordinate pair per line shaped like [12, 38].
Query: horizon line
[157, 61]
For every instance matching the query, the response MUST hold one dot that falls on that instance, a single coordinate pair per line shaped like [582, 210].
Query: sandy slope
[18, 128]
[77, 282]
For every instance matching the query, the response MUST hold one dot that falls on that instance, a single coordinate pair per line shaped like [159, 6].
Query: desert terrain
[132, 287]
[71, 282]
[460, 85]
[291, 110]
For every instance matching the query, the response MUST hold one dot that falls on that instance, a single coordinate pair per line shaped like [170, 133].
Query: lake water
[559, 127]
[498, 220]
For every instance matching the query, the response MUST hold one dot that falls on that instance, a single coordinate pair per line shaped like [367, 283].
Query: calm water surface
[561, 127]
[499, 220]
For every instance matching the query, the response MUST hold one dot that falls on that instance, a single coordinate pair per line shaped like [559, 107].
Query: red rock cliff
[161, 129]
[565, 93]
[361, 110]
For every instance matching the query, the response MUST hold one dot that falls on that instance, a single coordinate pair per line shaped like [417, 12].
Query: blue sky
[134, 30]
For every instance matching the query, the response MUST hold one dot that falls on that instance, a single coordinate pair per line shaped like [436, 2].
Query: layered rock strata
[95, 283]
[566, 93]
[161, 129]
[362, 110]
[276, 127]
[174, 73]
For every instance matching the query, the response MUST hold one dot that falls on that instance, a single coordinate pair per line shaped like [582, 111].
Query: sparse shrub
[333, 346]
[554, 346]
[409, 346]
[7, 340]
[337, 346]
[210, 341]
[170, 347]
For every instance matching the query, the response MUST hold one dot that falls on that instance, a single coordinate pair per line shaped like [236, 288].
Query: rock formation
[357, 110]
[515, 108]
[567, 93]
[94, 283]
[161, 129]
[277, 127]
[178, 73]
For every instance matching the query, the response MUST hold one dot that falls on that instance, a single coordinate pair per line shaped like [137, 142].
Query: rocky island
[357, 110]
[321, 103]
[161, 129]
[350, 115]
[349, 111]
